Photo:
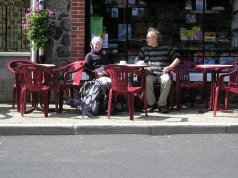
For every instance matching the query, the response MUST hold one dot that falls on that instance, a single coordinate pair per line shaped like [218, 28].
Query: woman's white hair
[96, 39]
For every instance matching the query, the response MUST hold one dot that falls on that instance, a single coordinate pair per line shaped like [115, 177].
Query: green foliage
[38, 24]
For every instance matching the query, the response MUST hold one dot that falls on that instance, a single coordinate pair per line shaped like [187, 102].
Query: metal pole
[41, 50]
[33, 51]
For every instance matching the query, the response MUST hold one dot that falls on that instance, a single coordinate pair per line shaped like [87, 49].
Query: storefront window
[123, 25]
[12, 36]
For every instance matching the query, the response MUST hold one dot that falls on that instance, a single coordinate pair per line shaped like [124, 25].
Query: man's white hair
[96, 39]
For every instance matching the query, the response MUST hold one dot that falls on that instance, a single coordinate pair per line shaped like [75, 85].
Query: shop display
[200, 35]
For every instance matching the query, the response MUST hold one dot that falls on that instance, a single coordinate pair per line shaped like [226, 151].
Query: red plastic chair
[72, 74]
[120, 76]
[38, 80]
[235, 66]
[16, 95]
[183, 81]
[230, 86]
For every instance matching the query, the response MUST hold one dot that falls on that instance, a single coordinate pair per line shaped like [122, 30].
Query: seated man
[160, 60]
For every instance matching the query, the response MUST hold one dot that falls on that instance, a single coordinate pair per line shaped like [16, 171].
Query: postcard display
[205, 31]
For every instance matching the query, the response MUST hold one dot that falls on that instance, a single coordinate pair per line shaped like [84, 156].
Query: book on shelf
[188, 5]
[186, 34]
[190, 18]
[199, 4]
[114, 12]
[197, 35]
[209, 60]
[131, 1]
[122, 32]
[210, 36]
[138, 12]
[109, 1]
[196, 28]
[198, 59]
[223, 37]
[226, 59]
[121, 1]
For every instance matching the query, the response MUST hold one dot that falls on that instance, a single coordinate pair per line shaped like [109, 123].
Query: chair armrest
[62, 69]
[9, 68]
[222, 76]
[66, 74]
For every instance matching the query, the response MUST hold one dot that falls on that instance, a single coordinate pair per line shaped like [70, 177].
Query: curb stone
[156, 129]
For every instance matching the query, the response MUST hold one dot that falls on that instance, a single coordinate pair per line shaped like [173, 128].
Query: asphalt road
[124, 156]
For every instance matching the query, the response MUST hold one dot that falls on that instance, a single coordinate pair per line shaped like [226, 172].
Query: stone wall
[7, 78]
[67, 44]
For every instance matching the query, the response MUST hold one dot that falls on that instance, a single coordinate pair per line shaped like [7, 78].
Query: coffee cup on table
[123, 62]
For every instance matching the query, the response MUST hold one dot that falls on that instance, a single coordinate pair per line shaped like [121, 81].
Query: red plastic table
[214, 69]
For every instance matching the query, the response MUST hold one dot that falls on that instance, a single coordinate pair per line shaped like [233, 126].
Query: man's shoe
[152, 108]
[163, 109]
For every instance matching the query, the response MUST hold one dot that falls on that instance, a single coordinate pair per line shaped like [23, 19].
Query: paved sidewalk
[185, 121]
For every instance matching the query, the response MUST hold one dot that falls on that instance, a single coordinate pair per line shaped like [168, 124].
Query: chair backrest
[33, 76]
[79, 67]
[121, 75]
[183, 69]
[13, 64]
[235, 66]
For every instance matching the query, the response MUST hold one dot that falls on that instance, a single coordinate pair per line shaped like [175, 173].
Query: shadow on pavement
[5, 113]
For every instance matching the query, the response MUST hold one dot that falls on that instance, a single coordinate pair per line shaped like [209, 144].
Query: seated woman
[96, 61]
[93, 94]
